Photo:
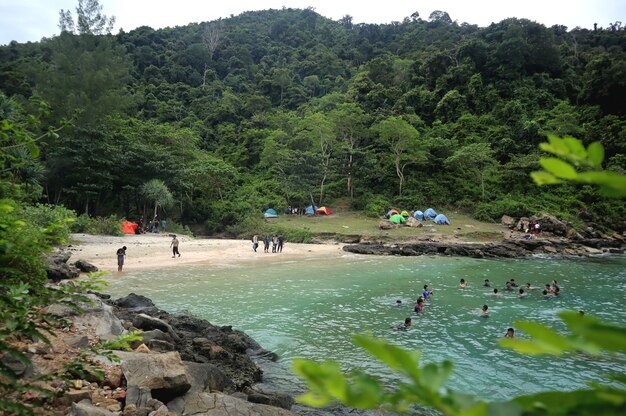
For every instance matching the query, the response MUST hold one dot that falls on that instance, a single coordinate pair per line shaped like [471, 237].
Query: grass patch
[350, 223]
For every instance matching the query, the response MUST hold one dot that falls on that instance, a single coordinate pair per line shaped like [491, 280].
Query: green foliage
[123, 342]
[54, 220]
[572, 154]
[157, 192]
[375, 206]
[493, 211]
[97, 226]
[425, 385]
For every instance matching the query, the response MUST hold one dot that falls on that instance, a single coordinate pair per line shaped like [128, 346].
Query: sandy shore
[152, 251]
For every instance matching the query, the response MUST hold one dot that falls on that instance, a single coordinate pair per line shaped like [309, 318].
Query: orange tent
[128, 227]
[323, 211]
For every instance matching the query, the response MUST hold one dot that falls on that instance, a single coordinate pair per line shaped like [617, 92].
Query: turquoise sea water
[311, 308]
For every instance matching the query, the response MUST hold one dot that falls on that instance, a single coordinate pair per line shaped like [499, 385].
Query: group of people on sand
[551, 290]
[278, 241]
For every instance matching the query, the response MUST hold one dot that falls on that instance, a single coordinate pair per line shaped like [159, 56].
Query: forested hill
[273, 108]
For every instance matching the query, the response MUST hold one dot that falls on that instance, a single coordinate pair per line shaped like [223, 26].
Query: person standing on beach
[281, 241]
[121, 254]
[255, 242]
[266, 243]
[174, 246]
[274, 243]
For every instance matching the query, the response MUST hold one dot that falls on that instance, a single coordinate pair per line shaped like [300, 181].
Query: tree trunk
[156, 207]
[482, 184]
[350, 185]
[400, 175]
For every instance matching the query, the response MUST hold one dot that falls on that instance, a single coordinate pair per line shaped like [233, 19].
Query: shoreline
[152, 251]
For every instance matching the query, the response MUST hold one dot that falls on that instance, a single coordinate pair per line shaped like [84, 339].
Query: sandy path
[152, 251]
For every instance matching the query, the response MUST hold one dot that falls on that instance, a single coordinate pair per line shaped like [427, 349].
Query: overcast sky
[30, 20]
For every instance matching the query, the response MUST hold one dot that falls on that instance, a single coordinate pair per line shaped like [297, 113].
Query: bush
[98, 225]
[53, 220]
[493, 211]
[252, 225]
[176, 228]
[376, 206]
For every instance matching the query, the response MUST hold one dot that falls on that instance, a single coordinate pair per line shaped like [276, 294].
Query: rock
[155, 334]
[164, 375]
[84, 266]
[75, 396]
[207, 377]
[218, 404]
[276, 399]
[386, 225]
[133, 410]
[15, 365]
[99, 316]
[59, 257]
[507, 221]
[550, 224]
[61, 271]
[78, 341]
[413, 222]
[134, 301]
[146, 322]
[160, 346]
[113, 377]
[143, 348]
[114, 407]
[137, 396]
[61, 311]
[85, 408]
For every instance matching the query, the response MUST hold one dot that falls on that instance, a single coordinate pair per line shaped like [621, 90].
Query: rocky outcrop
[84, 266]
[505, 249]
[413, 222]
[218, 404]
[58, 269]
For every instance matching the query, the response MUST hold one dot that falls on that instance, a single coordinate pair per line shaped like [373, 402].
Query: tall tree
[89, 19]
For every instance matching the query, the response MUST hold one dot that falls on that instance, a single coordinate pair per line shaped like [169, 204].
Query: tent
[430, 214]
[323, 211]
[310, 210]
[405, 214]
[397, 219]
[128, 227]
[271, 213]
[442, 219]
[392, 212]
[419, 215]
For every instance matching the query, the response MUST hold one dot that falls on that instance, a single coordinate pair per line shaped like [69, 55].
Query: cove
[310, 309]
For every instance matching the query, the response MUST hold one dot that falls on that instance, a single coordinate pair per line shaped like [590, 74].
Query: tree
[476, 158]
[157, 192]
[89, 19]
[401, 140]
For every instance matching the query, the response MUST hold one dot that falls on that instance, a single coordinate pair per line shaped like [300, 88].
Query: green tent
[397, 219]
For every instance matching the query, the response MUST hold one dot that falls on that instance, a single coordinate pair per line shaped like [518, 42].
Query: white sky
[30, 20]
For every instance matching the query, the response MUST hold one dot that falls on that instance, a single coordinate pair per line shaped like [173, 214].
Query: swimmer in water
[510, 333]
[398, 302]
[419, 306]
[426, 293]
[485, 312]
[404, 326]
[486, 284]
[462, 284]
[521, 295]
[495, 292]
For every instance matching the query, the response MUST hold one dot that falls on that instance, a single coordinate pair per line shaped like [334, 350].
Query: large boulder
[61, 271]
[100, 317]
[507, 221]
[149, 323]
[550, 224]
[86, 408]
[134, 301]
[413, 222]
[84, 266]
[164, 375]
[218, 404]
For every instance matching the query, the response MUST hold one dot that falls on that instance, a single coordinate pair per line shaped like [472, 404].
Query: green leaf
[576, 149]
[396, 358]
[434, 376]
[595, 153]
[544, 178]
[558, 168]
[545, 340]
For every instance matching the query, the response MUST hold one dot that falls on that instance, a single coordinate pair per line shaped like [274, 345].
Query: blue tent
[270, 213]
[442, 219]
[430, 214]
[418, 215]
[310, 210]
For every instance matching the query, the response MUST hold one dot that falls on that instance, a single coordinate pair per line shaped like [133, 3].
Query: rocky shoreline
[508, 248]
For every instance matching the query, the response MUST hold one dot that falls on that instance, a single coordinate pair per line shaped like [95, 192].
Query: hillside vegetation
[217, 121]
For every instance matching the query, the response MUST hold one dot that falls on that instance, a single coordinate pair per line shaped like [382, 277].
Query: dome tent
[270, 213]
[391, 212]
[430, 214]
[323, 211]
[405, 214]
[418, 215]
[442, 219]
[397, 219]
[310, 210]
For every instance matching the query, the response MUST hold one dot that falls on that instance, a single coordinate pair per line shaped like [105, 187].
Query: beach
[152, 251]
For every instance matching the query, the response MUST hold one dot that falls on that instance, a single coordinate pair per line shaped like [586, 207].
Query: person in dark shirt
[121, 254]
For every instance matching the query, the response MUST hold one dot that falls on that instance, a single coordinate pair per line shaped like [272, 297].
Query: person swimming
[521, 294]
[513, 283]
[508, 286]
[546, 294]
[510, 333]
[486, 284]
[529, 286]
[398, 302]
[485, 311]
[495, 292]
[426, 293]
[462, 284]
[419, 306]
[404, 326]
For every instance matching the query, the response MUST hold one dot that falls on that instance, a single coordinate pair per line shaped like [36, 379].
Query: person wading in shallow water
[121, 254]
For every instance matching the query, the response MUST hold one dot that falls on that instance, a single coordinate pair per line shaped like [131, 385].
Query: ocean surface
[311, 309]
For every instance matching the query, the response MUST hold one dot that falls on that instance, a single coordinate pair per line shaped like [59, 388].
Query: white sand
[152, 251]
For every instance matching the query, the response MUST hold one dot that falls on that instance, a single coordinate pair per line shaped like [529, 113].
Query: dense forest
[218, 121]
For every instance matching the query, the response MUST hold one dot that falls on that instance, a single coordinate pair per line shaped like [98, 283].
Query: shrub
[53, 220]
[176, 228]
[376, 207]
[493, 211]
[98, 225]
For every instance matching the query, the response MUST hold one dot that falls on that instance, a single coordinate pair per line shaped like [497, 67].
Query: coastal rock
[164, 374]
[207, 377]
[61, 271]
[148, 323]
[277, 399]
[134, 301]
[218, 404]
[507, 221]
[85, 267]
[550, 224]
[413, 222]
[85, 408]
[99, 316]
